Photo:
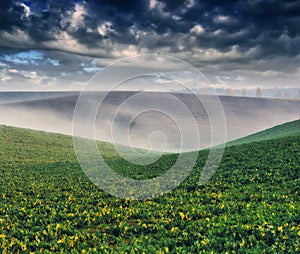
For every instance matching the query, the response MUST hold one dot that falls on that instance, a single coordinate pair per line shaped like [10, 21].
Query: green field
[251, 205]
[279, 131]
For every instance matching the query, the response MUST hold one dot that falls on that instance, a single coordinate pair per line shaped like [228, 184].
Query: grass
[251, 205]
[279, 131]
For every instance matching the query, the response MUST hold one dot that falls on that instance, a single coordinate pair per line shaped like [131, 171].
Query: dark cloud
[10, 15]
[259, 19]
[237, 33]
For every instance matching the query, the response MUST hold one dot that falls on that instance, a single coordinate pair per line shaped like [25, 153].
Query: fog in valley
[150, 120]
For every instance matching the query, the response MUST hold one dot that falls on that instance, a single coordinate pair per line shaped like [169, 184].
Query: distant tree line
[260, 92]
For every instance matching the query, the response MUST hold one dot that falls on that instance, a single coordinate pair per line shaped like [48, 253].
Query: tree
[258, 92]
[286, 95]
[230, 92]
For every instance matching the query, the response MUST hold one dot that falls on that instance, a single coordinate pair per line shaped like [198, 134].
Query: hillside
[279, 131]
[244, 115]
[48, 205]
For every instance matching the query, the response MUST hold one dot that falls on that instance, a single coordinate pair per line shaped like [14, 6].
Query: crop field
[279, 131]
[47, 204]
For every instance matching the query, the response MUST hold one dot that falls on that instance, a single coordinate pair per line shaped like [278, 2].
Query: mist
[149, 120]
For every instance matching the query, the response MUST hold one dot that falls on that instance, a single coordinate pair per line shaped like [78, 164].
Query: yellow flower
[299, 233]
[174, 229]
[279, 228]
[242, 243]
[167, 249]
[181, 215]
[23, 246]
[246, 226]
[204, 241]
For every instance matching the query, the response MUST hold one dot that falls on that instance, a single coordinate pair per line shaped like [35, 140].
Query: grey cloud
[264, 34]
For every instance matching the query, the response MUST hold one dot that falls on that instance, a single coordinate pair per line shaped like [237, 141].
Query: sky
[60, 45]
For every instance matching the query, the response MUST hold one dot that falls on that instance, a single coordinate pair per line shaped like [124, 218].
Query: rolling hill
[48, 205]
[54, 112]
[279, 131]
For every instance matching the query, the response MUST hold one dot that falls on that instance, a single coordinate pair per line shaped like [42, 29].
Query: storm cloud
[58, 43]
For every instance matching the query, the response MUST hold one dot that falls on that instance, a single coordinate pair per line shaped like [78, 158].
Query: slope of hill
[244, 116]
[279, 131]
[48, 205]
[17, 96]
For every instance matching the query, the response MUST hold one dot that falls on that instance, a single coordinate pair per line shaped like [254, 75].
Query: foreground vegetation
[47, 204]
